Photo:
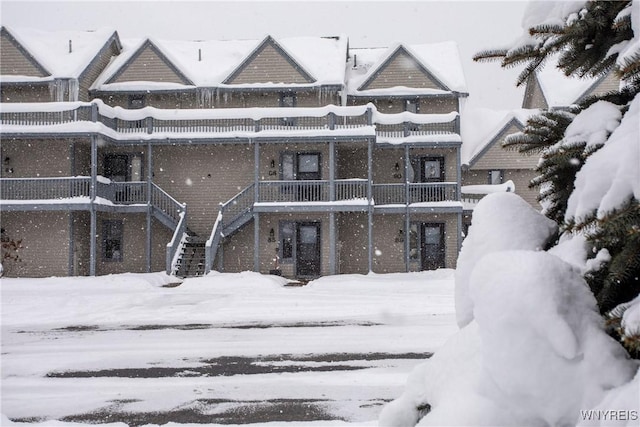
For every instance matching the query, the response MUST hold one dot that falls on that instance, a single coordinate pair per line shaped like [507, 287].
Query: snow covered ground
[230, 348]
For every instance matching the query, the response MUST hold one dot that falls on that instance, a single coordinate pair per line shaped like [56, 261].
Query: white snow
[51, 48]
[505, 187]
[440, 59]
[533, 350]
[501, 221]
[481, 126]
[208, 63]
[244, 315]
[611, 175]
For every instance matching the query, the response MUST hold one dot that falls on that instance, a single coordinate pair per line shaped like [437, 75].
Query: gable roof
[14, 40]
[159, 53]
[52, 50]
[482, 128]
[560, 90]
[439, 62]
[269, 42]
[208, 63]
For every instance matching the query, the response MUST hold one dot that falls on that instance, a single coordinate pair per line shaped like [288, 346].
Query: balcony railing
[25, 189]
[75, 189]
[206, 122]
[311, 191]
[401, 194]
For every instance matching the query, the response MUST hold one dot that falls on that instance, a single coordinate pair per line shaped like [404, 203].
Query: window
[136, 102]
[121, 167]
[414, 242]
[496, 177]
[300, 166]
[412, 105]
[288, 100]
[112, 240]
[287, 239]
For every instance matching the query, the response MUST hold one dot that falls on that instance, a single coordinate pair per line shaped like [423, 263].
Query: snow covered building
[300, 156]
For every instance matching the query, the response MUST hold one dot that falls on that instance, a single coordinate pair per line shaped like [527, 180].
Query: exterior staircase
[191, 260]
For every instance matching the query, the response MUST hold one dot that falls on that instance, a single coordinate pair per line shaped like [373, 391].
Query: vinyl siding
[203, 176]
[96, 67]
[148, 67]
[237, 250]
[268, 65]
[26, 93]
[14, 62]
[37, 158]
[497, 157]
[520, 178]
[134, 236]
[389, 254]
[533, 97]
[391, 105]
[351, 161]
[608, 84]
[353, 243]
[402, 70]
[45, 243]
[267, 221]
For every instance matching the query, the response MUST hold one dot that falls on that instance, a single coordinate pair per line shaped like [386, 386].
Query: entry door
[308, 249]
[116, 167]
[432, 246]
[431, 169]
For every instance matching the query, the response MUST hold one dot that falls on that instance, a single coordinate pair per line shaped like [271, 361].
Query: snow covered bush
[535, 351]
[520, 227]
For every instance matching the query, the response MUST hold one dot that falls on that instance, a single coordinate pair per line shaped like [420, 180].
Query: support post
[256, 242]
[256, 171]
[72, 245]
[407, 223]
[332, 243]
[332, 170]
[149, 245]
[370, 199]
[94, 189]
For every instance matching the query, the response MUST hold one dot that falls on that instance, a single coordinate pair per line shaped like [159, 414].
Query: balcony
[75, 193]
[158, 124]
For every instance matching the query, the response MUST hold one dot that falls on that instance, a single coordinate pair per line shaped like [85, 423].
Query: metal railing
[174, 245]
[44, 188]
[219, 121]
[402, 194]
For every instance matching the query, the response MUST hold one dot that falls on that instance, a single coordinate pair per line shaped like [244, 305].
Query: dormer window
[136, 102]
[412, 105]
[288, 100]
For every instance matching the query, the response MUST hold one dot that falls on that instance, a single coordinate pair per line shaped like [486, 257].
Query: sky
[474, 24]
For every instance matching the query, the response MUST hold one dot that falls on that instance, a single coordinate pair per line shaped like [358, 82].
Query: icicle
[74, 89]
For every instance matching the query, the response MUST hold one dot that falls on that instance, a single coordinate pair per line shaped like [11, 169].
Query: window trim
[281, 225]
[489, 176]
[107, 227]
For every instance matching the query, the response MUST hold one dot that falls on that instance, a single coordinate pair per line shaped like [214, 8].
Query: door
[432, 172]
[432, 246]
[302, 167]
[116, 167]
[308, 249]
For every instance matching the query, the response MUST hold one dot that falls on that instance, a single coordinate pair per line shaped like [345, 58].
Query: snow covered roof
[211, 63]
[481, 127]
[62, 54]
[560, 90]
[439, 62]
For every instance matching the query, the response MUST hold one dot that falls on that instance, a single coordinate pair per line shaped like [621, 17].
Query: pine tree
[587, 44]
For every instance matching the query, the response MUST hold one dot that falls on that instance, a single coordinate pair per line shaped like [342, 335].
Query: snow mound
[501, 221]
[544, 350]
[535, 354]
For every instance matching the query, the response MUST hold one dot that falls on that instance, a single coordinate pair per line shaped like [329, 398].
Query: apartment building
[297, 156]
